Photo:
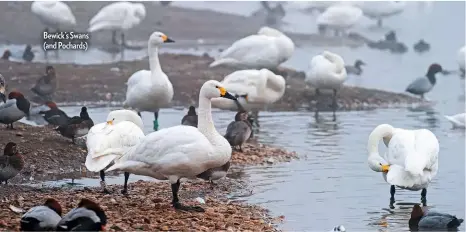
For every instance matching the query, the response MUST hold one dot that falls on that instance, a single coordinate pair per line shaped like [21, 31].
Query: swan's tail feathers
[455, 223]
[223, 61]
[415, 164]
[99, 163]
[125, 165]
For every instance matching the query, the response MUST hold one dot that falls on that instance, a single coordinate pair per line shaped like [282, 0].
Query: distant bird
[461, 59]
[76, 126]
[457, 120]
[239, 130]
[88, 216]
[391, 36]
[274, 14]
[43, 217]
[6, 55]
[14, 109]
[118, 16]
[11, 163]
[2, 88]
[356, 68]
[339, 18]
[267, 49]
[327, 71]
[165, 3]
[190, 119]
[421, 46]
[28, 55]
[380, 10]
[46, 86]
[54, 14]
[339, 228]
[423, 85]
[215, 173]
[430, 221]
[54, 116]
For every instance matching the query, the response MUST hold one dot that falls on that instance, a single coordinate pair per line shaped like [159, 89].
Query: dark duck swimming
[11, 163]
[14, 109]
[88, 216]
[46, 85]
[43, 217]
[76, 126]
[421, 46]
[432, 221]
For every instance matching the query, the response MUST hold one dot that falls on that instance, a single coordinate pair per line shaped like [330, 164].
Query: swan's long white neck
[154, 58]
[377, 134]
[205, 122]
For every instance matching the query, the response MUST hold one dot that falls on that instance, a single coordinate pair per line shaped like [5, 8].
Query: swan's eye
[216, 86]
[380, 164]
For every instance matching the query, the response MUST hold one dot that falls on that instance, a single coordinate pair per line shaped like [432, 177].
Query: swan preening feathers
[411, 161]
[339, 18]
[54, 14]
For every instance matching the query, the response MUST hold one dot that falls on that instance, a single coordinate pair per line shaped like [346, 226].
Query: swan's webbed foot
[179, 206]
[124, 191]
[423, 197]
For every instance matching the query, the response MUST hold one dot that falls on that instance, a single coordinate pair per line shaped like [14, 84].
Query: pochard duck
[54, 116]
[88, 216]
[430, 221]
[43, 217]
[356, 69]
[6, 55]
[339, 228]
[76, 126]
[14, 109]
[239, 130]
[28, 55]
[2, 88]
[190, 119]
[421, 46]
[423, 85]
[215, 173]
[47, 84]
[11, 163]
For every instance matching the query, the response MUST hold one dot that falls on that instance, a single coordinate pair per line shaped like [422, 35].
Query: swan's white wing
[243, 82]
[382, 8]
[54, 13]
[110, 16]
[341, 15]
[458, 120]
[461, 57]
[324, 74]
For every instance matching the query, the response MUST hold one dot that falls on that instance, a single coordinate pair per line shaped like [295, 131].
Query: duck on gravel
[47, 84]
[432, 221]
[28, 55]
[150, 90]
[190, 119]
[239, 130]
[356, 68]
[181, 151]
[88, 216]
[76, 126]
[54, 116]
[6, 55]
[11, 163]
[14, 109]
[2, 88]
[43, 217]
[423, 85]
[122, 130]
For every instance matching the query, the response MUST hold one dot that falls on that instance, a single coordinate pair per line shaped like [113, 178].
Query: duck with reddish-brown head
[14, 109]
[11, 163]
[54, 116]
[43, 217]
[88, 216]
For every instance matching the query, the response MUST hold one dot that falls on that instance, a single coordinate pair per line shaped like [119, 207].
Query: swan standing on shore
[381, 10]
[54, 14]
[150, 90]
[339, 18]
[327, 71]
[262, 87]
[118, 16]
[411, 161]
[181, 151]
[461, 60]
[457, 120]
[123, 129]
[266, 49]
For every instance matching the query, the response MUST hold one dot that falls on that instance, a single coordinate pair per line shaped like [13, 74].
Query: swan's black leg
[423, 197]
[156, 118]
[334, 100]
[125, 185]
[139, 113]
[176, 202]
[392, 196]
[114, 41]
[317, 96]
[102, 182]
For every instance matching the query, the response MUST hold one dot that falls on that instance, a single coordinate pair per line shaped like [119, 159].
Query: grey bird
[356, 68]
[339, 228]
[432, 220]
[423, 85]
[215, 173]
[47, 84]
[28, 55]
[88, 216]
[421, 46]
[2, 88]
[43, 217]
[190, 119]
[239, 130]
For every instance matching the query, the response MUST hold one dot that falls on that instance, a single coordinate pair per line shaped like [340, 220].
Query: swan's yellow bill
[110, 122]
[385, 168]
[223, 91]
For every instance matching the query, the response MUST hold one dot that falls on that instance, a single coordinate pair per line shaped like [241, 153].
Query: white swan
[411, 161]
[267, 49]
[123, 129]
[54, 14]
[326, 71]
[338, 18]
[181, 151]
[150, 90]
[118, 16]
[380, 10]
[461, 59]
[457, 120]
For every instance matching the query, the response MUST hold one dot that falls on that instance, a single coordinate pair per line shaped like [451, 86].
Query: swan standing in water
[267, 49]
[118, 16]
[339, 18]
[461, 58]
[181, 151]
[458, 120]
[123, 129]
[262, 87]
[327, 71]
[150, 90]
[381, 10]
[411, 161]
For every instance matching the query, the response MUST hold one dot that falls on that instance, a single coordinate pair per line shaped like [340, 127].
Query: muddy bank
[187, 73]
[148, 208]
[260, 154]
